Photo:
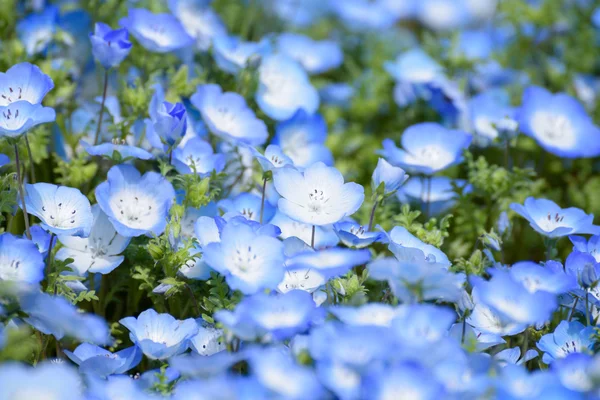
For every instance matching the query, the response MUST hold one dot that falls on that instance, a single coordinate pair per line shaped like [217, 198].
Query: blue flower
[272, 159]
[62, 210]
[248, 205]
[391, 177]
[559, 124]
[352, 234]
[443, 15]
[160, 336]
[228, 116]
[4, 160]
[47, 380]
[98, 253]
[98, 361]
[284, 88]
[337, 94]
[574, 371]
[135, 204]
[550, 278]
[160, 33]
[591, 246]
[488, 321]
[302, 139]
[405, 378]
[24, 81]
[364, 15]
[20, 260]
[55, 315]
[567, 338]
[250, 261]
[199, 21]
[109, 46]
[208, 341]
[315, 56]
[423, 325]
[582, 267]
[125, 151]
[331, 262]
[414, 67]
[377, 314]
[427, 148]
[400, 238]
[42, 239]
[167, 125]
[318, 196]
[37, 30]
[492, 117]
[325, 236]
[513, 356]
[552, 221]
[197, 156]
[232, 54]
[18, 117]
[438, 191]
[307, 279]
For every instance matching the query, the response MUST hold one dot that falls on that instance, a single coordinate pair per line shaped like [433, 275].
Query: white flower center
[554, 130]
[13, 94]
[12, 118]
[432, 156]
[244, 262]
[317, 199]
[9, 267]
[157, 33]
[34, 393]
[60, 215]
[135, 208]
[551, 222]
[570, 346]
[358, 231]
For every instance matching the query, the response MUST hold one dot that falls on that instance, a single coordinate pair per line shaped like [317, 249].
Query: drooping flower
[109, 46]
[558, 123]
[391, 177]
[98, 253]
[249, 260]
[18, 117]
[228, 116]
[567, 338]
[197, 156]
[24, 81]
[97, 361]
[42, 239]
[160, 336]
[427, 148]
[167, 123]
[160, 33]
[550, 220]
[318, 196]
[62, 210]
[514, 356]
[315, 56]
[307, 279]
[20, 260]
[135, 204]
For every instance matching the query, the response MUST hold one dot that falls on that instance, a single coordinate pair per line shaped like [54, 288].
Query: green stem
[99, 126]
[22, 193]
[262, 202]
[573, 309]
[372, 219]
[31, 167]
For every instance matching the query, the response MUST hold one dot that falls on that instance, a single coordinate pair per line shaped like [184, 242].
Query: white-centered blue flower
[18, 117]
[228, 116]
[376, 314]
[200, 21]
[47, 381]
[24, 81]
[318, 196]
[98, 253]
[135, 204]
[124, 150]
[20, 260]
[331, 262]
[316, 56]
[550, 220]
[160, 336]
[325, 235]
[273, 158]
[391, 177]
[233, 54]
[591, 246]
[197, 156]
[160, 33]
[492, 117]
[37, 30]
[62, 210]
[97, 361]
[248, 205]
[427, 148]
[567, 338]
[209, 340]
[559, 123]
[353, 234]
[284, 88]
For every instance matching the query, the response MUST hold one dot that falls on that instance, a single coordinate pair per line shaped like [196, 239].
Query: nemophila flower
[318, 196]
[472, 339]
[559, 123]
[248, 205]
[4, 160]
[62, 210]
[191, 216]
[273, 158]
[509, 298]
[228, 116]
[197, 156]
[337, 94]
[18, 117]
[36, 30]
[98, 361]
[135, 204]
[514, 356]
[331, 262]
[97, 253]
[20, 260]
[302, 139]
[567, 338]
[405, 379]
[167, 124]
[352, 234]
[488, 321]
[200, 21]
[208, 341]
[550, 278]
[325, 236]
[160, 336]
[591, 246]
[24, 81]
[550, 220]
[427, 148]
[414, 67]
[399, 237]
[437, 191]
[42, 239]
[284, 88]
[492, 117]
[413, 281]
[55, 315]
[109, 46]
[364, 15]
[573, 371]
[232, 54]
[583, 268]
[47, 380]
[124, 150]
[250, 261]
[307, 279]
[160, 33]
[423, 324]
[377, 314]
[391, 177]
[315, 56]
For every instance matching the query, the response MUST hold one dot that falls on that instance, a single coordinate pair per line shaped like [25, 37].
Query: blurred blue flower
[438, 191]
[37, 30]
[488, 321]
[573, 371]
[98, 361]
[567, 338]
[18, 117]
[331, 262]
[228, 116]
[124, 150]
[325, 235]
[591, 246]
[160, 336]
[200, 21]
[376, 314]
[197, 156]
[427, 148]
[583, 268]
[284, 88]
[422, 325]
[550, 220]
[315, 56]
[550, 278]
[47, 380]
[404, 378]
[492, 117]
[24, 81]
[62, 210]
[4, 160]
[337, 94]
[248, 205]
[135, 204]
[232, 54]
[352, 234]
[272, 159]
[160, 33]
[400, 238]
[318, 196]
[514, 356]
[20, 260]
[209, 340]
[559, 124]
[364, 15]
[109, 46]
